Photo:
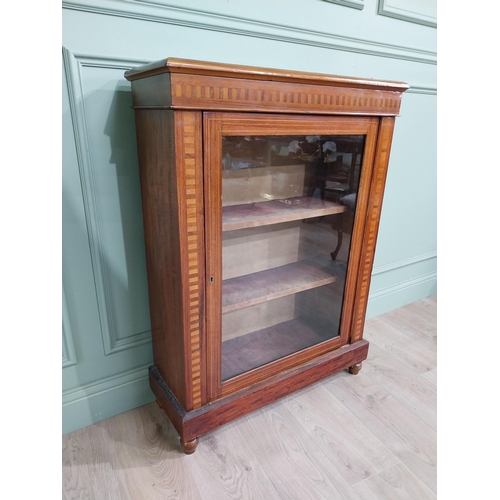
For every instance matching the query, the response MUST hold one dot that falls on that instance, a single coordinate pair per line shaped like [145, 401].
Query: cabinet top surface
[186, 66]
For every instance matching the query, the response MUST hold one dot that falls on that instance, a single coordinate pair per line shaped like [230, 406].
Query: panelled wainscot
[262, 191]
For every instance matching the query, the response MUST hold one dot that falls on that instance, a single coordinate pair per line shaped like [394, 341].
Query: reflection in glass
[288, 206]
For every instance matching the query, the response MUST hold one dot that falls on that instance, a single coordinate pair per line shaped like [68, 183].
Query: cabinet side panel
[372, 224]
[152, 91]
[189, 161]
[155, 140]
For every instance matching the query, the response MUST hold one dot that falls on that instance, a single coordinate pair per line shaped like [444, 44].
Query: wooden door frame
[214, 126]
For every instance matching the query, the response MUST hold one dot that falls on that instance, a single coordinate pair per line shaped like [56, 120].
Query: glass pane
[288, 206]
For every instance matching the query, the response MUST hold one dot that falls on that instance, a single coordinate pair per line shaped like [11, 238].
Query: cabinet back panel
[257, 249]
[257, 317]
[250, 185]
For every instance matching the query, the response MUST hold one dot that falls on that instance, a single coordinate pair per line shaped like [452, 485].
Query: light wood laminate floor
[362, 437]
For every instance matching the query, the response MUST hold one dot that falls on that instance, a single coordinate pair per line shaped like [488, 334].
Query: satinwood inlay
[211, 92]
[191, 184]
[372, 225]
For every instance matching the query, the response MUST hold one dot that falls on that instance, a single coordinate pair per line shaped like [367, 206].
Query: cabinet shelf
[276, 211]
[255, 288]
[255, 349]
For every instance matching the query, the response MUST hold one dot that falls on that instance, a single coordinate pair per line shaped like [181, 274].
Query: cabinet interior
[281, 291]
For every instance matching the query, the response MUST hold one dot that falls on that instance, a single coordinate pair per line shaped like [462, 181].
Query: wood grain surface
[255, 349]
[183, 185]
[274, 212]
[348, 437]
[241, 124]
[189, 66]
[251, 289]
[161, 206]
[214, 86]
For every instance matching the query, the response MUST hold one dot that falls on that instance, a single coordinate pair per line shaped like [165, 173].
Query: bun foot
[189, 447]
[354, 369]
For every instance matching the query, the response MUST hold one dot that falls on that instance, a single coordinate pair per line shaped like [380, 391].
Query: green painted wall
[106, 338]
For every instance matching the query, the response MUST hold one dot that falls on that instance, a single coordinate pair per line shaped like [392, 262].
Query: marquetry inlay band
[372, 224]
[191, 92]
[194, 246]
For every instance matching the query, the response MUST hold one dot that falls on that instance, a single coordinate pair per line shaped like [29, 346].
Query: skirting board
[106, 399]
[395, 296]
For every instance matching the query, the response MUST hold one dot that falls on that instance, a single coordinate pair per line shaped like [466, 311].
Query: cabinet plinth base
[192, 424]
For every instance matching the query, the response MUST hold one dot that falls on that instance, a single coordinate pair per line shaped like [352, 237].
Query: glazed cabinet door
[285, 206]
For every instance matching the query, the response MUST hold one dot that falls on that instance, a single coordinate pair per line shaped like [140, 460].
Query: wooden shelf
[255, 288]
[276, 211]
[250, 351]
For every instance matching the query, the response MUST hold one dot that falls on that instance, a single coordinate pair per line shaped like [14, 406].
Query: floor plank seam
[395, 452]
[377, 473]
[394, 392]
[433, 487]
